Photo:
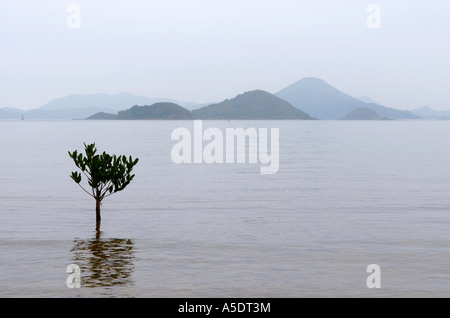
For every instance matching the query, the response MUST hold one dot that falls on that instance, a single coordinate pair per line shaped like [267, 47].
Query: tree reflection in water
[104, 262]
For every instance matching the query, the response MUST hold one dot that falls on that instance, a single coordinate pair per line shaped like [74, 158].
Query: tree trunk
[97, 212]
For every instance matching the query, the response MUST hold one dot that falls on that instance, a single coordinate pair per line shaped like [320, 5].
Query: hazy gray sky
[210, 50]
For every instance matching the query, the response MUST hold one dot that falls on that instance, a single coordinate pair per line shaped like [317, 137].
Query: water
[348, 194]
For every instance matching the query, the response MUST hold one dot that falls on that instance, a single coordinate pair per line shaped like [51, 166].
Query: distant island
[103, 116]
[156, 111]
[363, 114]
[306, 99]
[256, 104]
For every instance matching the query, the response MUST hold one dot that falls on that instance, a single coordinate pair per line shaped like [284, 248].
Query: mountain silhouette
[430, 113]
[307, 98]
[321, 100]
[79, 106]
[363, 114]
[111, 102]
[103, 116]
[257, 104]
[155, 111]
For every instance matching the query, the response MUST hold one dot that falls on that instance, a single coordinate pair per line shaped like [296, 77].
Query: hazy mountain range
[429, 113]
[306, 99]
[78, 106]
[321, 100]
[256, 104]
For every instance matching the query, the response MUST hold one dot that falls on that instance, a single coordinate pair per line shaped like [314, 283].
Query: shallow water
[347, 194]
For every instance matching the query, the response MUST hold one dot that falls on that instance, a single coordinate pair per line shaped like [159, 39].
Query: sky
[210, 50]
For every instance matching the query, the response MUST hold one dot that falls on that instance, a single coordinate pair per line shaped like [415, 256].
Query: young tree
[105, 174]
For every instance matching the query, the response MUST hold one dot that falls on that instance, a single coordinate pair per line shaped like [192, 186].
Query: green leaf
[103, 169]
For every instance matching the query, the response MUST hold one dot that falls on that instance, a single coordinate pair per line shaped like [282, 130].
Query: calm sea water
[348, 194]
